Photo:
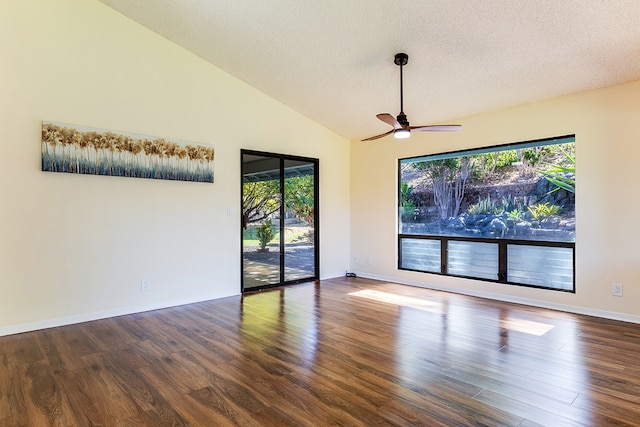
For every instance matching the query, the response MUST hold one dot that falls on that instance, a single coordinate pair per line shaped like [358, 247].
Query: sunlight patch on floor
[519, 325]
[401, 300]
[526, 326]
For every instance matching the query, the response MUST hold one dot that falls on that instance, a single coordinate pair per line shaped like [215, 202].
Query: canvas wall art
[84, 150]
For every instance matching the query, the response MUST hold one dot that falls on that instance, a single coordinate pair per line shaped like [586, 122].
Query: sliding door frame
[316, 214]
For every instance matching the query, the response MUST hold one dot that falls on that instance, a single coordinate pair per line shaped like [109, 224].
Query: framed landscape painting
[84, 150]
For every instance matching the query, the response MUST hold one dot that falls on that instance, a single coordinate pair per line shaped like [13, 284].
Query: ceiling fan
[400, 124]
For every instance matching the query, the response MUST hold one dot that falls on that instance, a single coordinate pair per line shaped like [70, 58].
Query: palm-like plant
[562, 175]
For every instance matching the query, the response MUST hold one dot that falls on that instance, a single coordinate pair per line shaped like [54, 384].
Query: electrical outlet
[369, 260]
[144, 285]
[617, 289]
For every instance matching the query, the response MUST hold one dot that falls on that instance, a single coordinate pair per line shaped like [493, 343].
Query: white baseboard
[507, 298]
[88, 317]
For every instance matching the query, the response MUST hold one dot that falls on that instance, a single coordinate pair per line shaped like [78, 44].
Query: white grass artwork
[84, 150]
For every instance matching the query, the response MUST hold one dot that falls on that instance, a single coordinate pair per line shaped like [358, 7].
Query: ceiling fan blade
[436, 128]
[389, 119]
[379, 136]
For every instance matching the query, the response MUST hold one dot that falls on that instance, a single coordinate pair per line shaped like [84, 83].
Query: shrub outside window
[503, 213]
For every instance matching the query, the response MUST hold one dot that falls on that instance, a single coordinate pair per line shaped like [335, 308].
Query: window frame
[502, 243]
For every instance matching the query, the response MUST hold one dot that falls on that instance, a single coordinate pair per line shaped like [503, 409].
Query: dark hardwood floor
[347, 352]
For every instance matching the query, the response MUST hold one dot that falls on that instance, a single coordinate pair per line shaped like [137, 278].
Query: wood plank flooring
[341, 352]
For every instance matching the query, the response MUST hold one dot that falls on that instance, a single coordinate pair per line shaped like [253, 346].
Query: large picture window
[503, 214]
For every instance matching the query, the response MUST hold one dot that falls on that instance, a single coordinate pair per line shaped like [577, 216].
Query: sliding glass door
[299, 222]
[279, 219]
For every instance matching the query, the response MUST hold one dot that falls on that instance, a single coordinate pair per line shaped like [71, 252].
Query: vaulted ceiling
[332, 60]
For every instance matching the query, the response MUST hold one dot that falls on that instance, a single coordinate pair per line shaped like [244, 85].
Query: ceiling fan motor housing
[402, 119]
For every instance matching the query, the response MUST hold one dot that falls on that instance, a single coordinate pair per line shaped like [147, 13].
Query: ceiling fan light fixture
[401, 133]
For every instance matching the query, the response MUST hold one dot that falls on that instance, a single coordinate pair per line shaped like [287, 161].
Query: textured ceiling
[332, 60]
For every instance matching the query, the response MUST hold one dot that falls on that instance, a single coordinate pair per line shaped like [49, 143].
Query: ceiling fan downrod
[401, 60]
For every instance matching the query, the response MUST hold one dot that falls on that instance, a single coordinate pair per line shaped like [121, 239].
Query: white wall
[75, 247]
[607, 205]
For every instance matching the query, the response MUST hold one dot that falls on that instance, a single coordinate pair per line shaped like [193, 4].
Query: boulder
[498, 227]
